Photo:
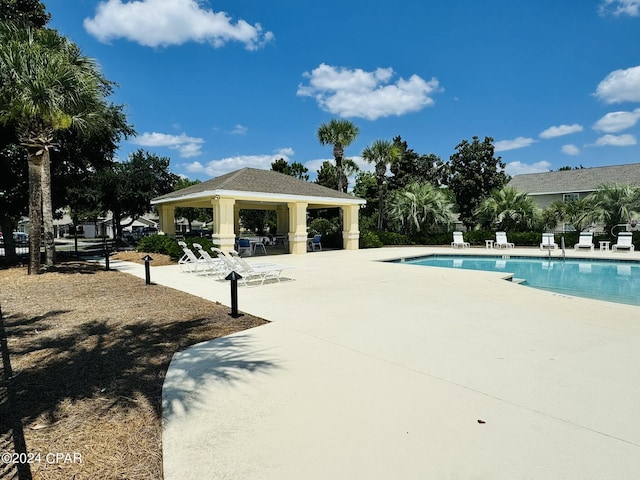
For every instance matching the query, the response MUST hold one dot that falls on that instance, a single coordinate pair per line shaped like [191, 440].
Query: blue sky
[222, 85]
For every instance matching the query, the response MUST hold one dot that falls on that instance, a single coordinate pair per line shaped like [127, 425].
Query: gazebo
[252, 188]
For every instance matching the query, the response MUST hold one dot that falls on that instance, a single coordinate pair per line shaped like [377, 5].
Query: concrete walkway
[372, 370]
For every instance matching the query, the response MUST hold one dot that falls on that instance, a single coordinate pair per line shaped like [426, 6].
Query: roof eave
[261, 196]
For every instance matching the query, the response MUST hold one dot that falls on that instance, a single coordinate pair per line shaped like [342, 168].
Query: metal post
[106, 254]
[234, 277]
[147, 270]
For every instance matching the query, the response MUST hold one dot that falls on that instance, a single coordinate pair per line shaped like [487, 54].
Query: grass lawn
[89, 350]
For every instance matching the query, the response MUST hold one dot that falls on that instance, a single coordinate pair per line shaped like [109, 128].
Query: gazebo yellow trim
[252, 188]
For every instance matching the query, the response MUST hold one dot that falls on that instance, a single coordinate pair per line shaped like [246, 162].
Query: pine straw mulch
[91, 349]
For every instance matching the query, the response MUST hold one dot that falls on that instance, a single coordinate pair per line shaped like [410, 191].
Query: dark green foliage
[412, 167]
[323, 226]
[130, 186]
[369, 239]
[393, 238]
[169, 246]
[474, 174]
[30, 12]
[296, 169]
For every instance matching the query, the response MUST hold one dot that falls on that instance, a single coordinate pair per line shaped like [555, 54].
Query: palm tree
[340, 134]
[507, 209]
[381, 153]
[578, 213]
[46, 86]
[416, 206]
[614, 204]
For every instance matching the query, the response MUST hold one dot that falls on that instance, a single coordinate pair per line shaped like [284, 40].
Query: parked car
[20, 239]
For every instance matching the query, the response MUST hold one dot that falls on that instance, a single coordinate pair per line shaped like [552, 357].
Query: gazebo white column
[223, 223]
[297, 227]
[167, 220]
[350, 229]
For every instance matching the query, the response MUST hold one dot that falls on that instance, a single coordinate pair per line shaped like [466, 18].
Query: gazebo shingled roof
[257, 180]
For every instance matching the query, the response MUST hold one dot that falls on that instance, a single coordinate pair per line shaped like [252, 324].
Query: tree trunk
[35, 212]
[47, 211]
[339, 173]
[380, 205]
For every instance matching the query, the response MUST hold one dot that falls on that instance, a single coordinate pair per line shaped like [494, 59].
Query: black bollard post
[234, 277]
[106, 254]
[147, 270]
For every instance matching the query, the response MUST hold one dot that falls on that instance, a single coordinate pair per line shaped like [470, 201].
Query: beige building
[547, 187]
[252, 188]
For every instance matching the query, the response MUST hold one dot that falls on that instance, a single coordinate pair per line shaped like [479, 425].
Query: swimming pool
[613, 281]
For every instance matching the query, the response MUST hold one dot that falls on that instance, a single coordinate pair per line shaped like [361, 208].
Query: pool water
[613, 281]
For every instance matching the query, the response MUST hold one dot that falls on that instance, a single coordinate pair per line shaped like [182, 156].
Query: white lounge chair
[502, 242]
[624, 241]
[585, 241]
[191, 262]
[255, 272]
[548, 241]
[458, 241]
[212, 265]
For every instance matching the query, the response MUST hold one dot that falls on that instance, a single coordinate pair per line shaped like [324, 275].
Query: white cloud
[620, 86]
[561, 130]
[239, 130]
[154, 23]
[616, 140]
[518, 168]
[357, 93]
[620, 7]
[570, 149]
[215, 168]
[187, 146]
[617, 121]
[520, 142]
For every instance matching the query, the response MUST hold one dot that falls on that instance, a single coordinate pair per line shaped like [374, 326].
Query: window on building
[569, 197]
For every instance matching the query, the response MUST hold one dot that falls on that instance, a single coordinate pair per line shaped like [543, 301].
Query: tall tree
[381, 153]
[46, 85]
[412, 167]
[296, 169]
[340, 134]
[29, 12]
[474, 174]
[328, 174]
[128, 189]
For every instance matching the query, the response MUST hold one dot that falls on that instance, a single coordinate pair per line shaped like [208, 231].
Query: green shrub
[369, 239]
[393, 238]
[322, 226]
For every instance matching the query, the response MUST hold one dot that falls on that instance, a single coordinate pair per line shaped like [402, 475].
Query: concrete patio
[371, 370]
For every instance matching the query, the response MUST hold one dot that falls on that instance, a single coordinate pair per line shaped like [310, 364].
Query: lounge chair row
[548, 241]
[221, 265]
[500, 241]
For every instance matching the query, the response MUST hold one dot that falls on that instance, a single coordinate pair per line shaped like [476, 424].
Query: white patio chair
[625, 240]
[585, 241]
[548, 241]
[502, 242]
[458, 241]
